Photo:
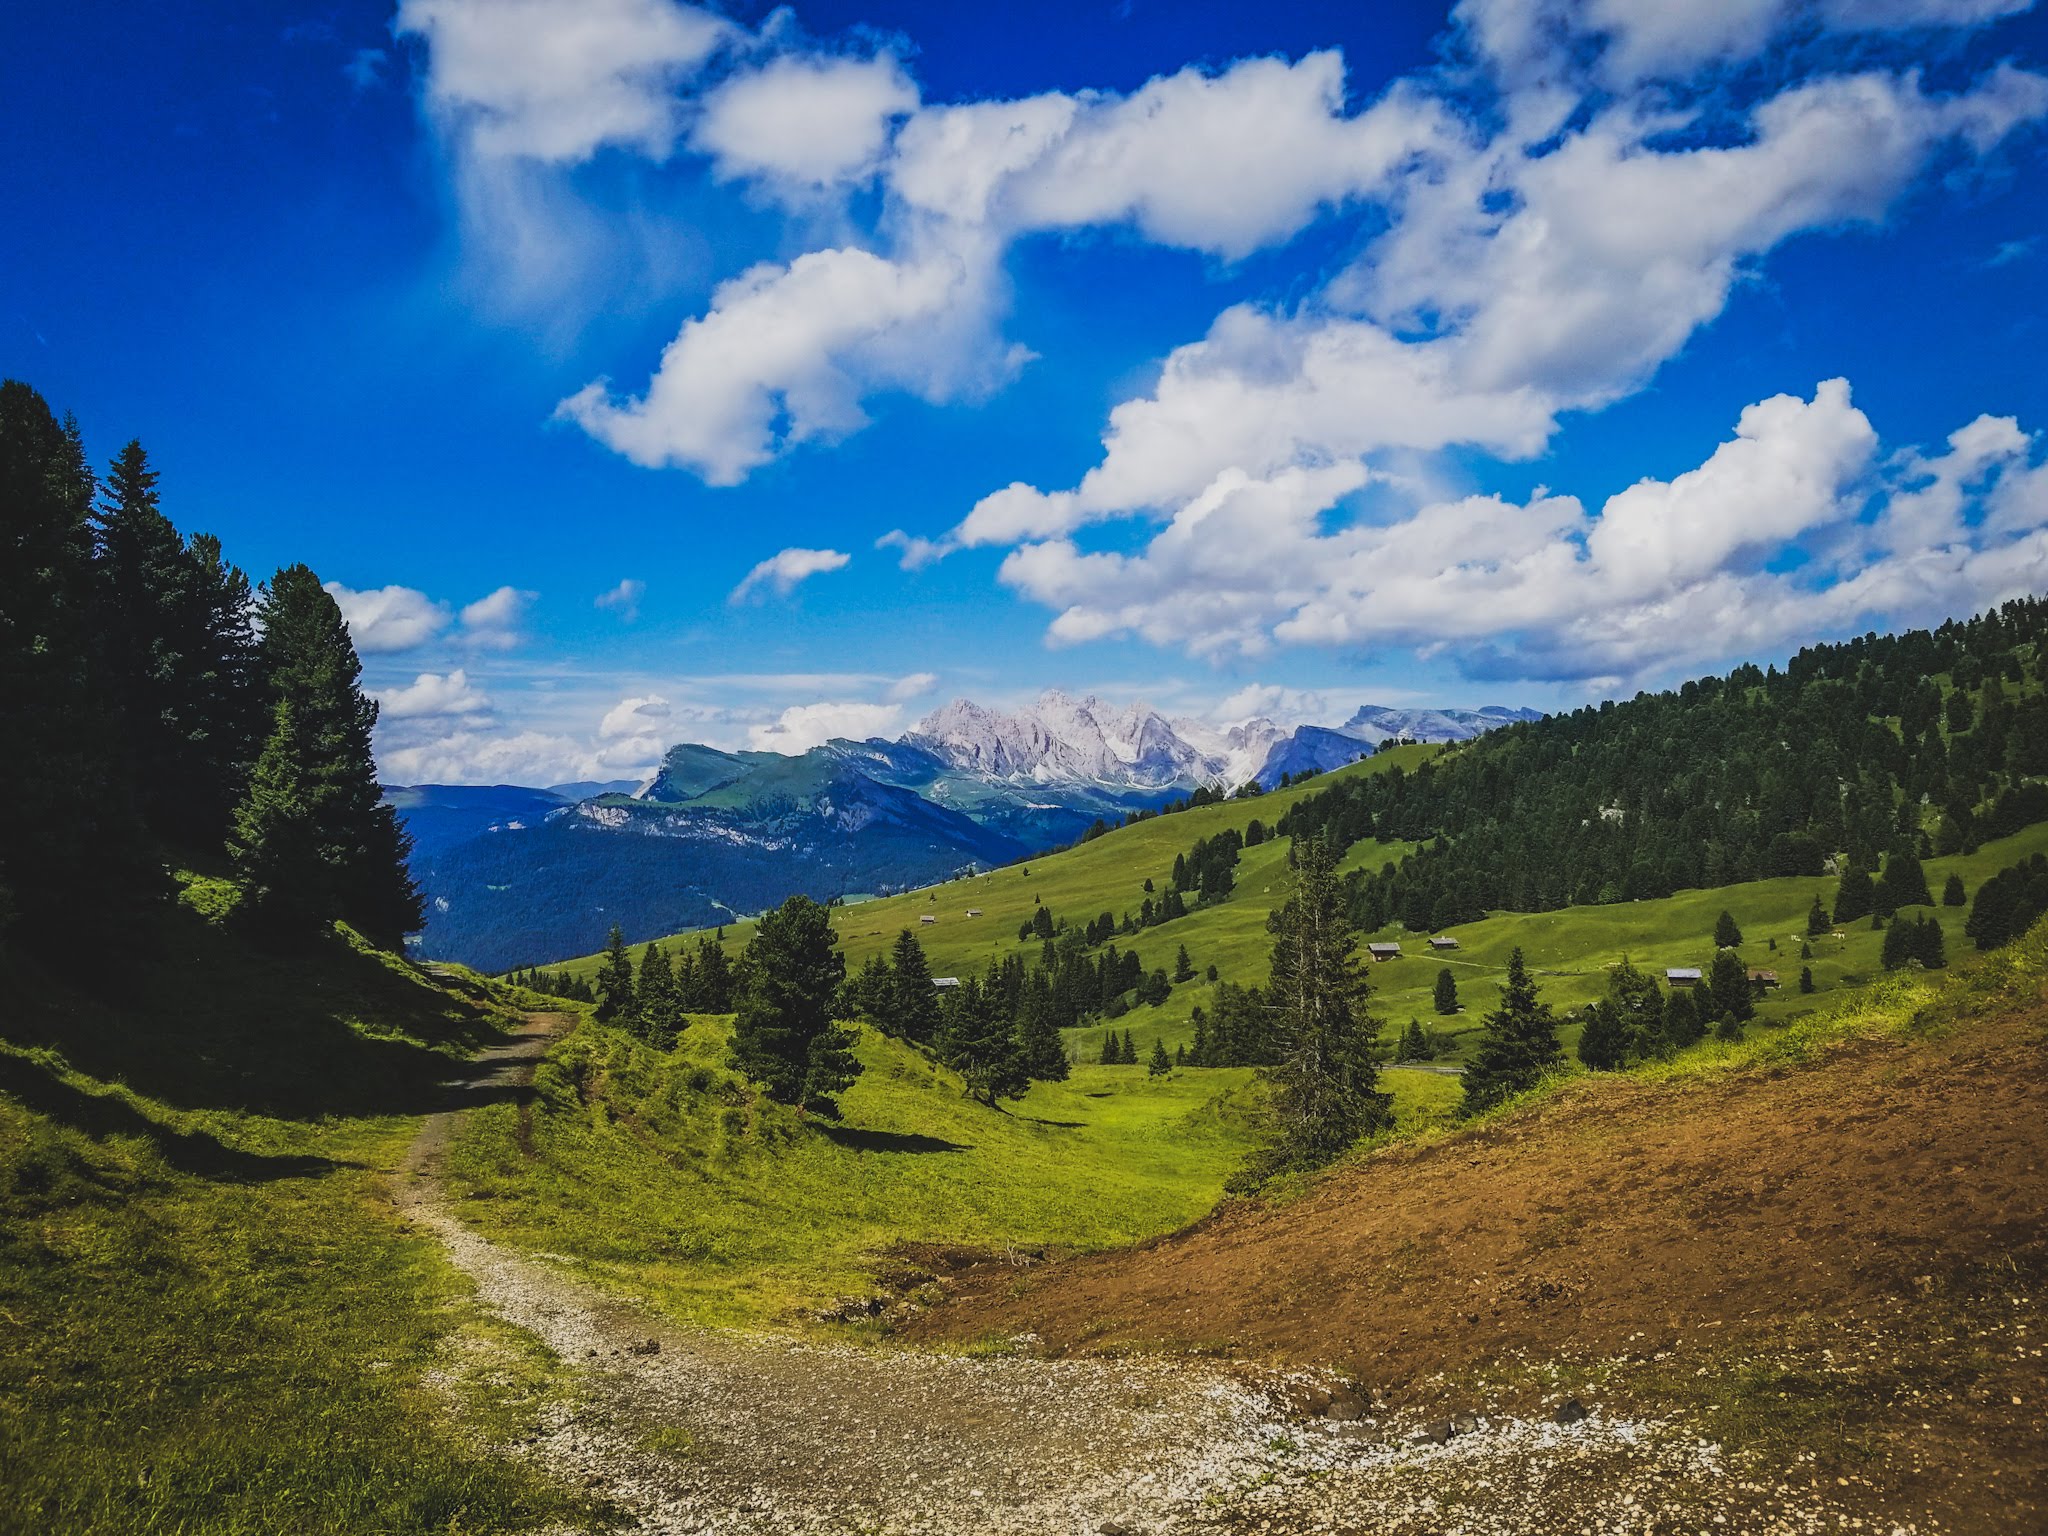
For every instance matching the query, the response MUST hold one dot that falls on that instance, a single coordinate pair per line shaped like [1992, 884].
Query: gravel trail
[698, 1431]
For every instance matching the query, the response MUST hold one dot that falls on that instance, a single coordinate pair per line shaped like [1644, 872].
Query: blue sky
[1517, 353]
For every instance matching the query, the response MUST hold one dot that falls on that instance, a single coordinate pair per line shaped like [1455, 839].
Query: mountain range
[516, 875]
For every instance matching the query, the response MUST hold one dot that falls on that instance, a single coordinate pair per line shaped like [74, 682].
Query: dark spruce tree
[1683, 1024]
[1415, 1043]
[1159, 1064]
[656, 1004]
[618, 995]
[1818, 919]
[913, 1007]
[1726, 934]
[1952, 892]
[1856, 896]
[316, 767]
[1446, 998]
[1728, 986]
[68, 843]
[784, 1037]
[1603, 1043]
[1326, 1079]
[1517, 1045]
[1806, 979]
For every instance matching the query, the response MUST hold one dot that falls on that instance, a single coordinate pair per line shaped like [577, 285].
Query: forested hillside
[1918, 744]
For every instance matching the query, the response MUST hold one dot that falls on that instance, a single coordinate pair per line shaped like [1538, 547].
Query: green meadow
[661, 1174]
[214, 1319]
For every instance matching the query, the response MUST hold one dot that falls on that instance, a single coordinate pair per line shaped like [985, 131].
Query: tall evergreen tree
[1603, 1043]
[1904, 884]
[67, 841]
[1728, 986]
[1818, 919]
[1415, 1043]
[656, 1004]
[1043, 1052]
[784, 1037]
[913, 1000]
[1952, 892]
[714, 977]
[1726, 934]
[1183, 967]
[1518, 1044]
[1160, 1063]
[978, 1040]
[1683, 1025]
[1857, 895]
[1112, 1050]
[618, 994]
[1326, 1081]
[319, 746]
[1446, 998]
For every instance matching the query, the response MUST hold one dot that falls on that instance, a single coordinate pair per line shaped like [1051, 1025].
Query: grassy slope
[1571, 948]
[214, 1320]
[662, 1175]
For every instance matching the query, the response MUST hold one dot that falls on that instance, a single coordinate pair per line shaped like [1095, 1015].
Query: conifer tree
[1326, 1080]
[1128, 1055]
[1904, 884]
[1855, 896]
[978, 1040]
[1930, 946]
[1201, 1054]
[1726, 934]
[1518, 1044]
[1638, 1006]
[1415, 1043]
[1728, 986]
[618, 995]
[1446, 998]
[714, 977]
[1818, 921]
[1952, 892]
[1112, 1050]
[1806, 979]
[1160, 1063]
[784, 1037]
[67, 840]
[1730, 1028]
[1183, 967]
[1043, 1052]
[1683, 1025]
[1603, 1043]
[317, 767]
[913, 1000]
[658, 1016]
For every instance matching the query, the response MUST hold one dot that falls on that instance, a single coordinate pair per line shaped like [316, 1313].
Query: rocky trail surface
[694, 1431]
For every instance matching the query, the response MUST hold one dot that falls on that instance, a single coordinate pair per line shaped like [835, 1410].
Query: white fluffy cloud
[557, 80]
[912, 685]
[782, 571]
[624, 599]
[384, 619]
[641, 716]
[1669, 572]
[804, 726]
[493, 622]
[800, 124]
[431, 695]
[487, 757]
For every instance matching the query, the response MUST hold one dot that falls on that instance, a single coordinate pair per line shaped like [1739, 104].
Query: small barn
[945, 983]
[1681, 977]
[927, 918]
[974, 911]
[1764, 979]
[1442, 941]
[1384, 951]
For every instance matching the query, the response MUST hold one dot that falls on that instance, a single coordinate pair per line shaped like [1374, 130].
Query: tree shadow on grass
[1058, 1125]
[100, 1115]
[889, 1141]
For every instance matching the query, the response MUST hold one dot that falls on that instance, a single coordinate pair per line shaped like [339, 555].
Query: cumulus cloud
[485, 757]
[782, 571]
[799, 125]
[804, 726]
[493, 622]
[557, 80]
[384, 619]
[624, 599]
[912, 685]
[1668, 572]
[634, 717]
[432, 694]
[1279, 703]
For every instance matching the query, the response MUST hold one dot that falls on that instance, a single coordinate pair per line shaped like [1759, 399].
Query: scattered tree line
[1851, 748]
[2009, 903]
[561, 984]
[158, 706]
[651, 1000]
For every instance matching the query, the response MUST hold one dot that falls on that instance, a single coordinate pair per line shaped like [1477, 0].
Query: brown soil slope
[1872, 1202]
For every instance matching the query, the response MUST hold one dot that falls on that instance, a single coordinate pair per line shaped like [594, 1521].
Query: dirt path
[690, 1431]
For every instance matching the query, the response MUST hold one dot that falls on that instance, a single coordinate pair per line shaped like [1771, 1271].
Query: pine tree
[978, 1040]
[1683, 1025]
[1818, 921]
[1638, 1005]
[658, 1015]
[1930, 946]
[1326, 1080]
[1952, 892]
[1730, 1028]
[68, 843]
[1855, 896]
[1112, 1050]
[1904, 884]
[1728, 986]
[1415, 1043]
[1806, 979]
[714, 973]
[1128, 1054]
[1183, 967]
[913, 1000]
[1043, 1052]
[1180, 1055]
[319, 749]
[1603, 1043]
[1518, 1043]
[1726, 934]
[1160, 1063]
[618, 994]
[784, 1037]
[1446, 992]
